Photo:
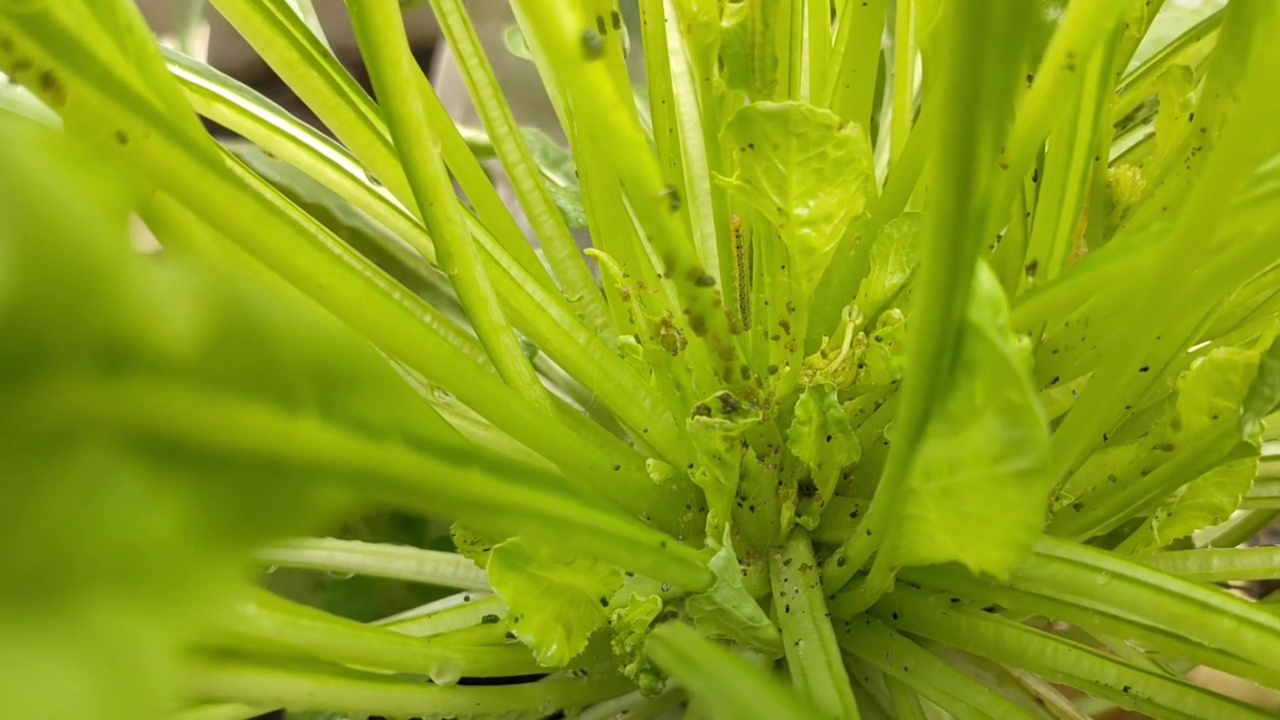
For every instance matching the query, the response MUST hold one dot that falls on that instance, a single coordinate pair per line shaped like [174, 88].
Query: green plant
[680, 462]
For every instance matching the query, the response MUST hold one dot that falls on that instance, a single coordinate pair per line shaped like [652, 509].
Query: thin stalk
[539, 314]
[218, 711]
[906, 702]
[455, 612]
[315, 75]
[850, 92]
[694, 102]
[809, 641]
[1100, 620]
[916, 669]
[1219, 565]
[817, 48]
[266, 622]
[904, 67]
[1204, 615]
[395, 562]
[657, 59]
[607, 120]
[1240, 529]
[362, 694]
[548, 224]
[1077, 36]
[1055, 658]
[731, 688]
[392, 67]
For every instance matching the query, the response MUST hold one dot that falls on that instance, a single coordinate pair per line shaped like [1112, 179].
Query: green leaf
[717, 427]
[148, 535]
[977, 489]
[1204, 502]
[630, 625]
[893, 258]
[1211, 393]
[555, 603]
[728, 611]
[473, 545]
[805, 170]
[1263, 397]
[821, 436]
[885, 353]
[560, 175]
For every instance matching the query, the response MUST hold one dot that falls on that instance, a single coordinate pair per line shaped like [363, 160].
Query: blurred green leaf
[129, 536]
[977, 488]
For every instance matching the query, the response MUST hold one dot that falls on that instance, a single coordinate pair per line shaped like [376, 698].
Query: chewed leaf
[630, 624]
[1216, 390]
[804, 169]
[1204, 502]
[728, 611]
[821, 436]
[1213, 391]
[471, 544]
[977, 489]
[717, 427]
[555, 603]
[885, 350]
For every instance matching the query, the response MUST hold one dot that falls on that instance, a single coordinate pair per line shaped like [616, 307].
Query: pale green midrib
[397, 562]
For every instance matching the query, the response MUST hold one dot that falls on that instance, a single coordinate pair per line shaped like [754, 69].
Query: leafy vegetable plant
[918, 366]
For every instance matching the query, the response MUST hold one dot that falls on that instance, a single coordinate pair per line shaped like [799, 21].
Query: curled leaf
[821, 436]
[728, 611]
